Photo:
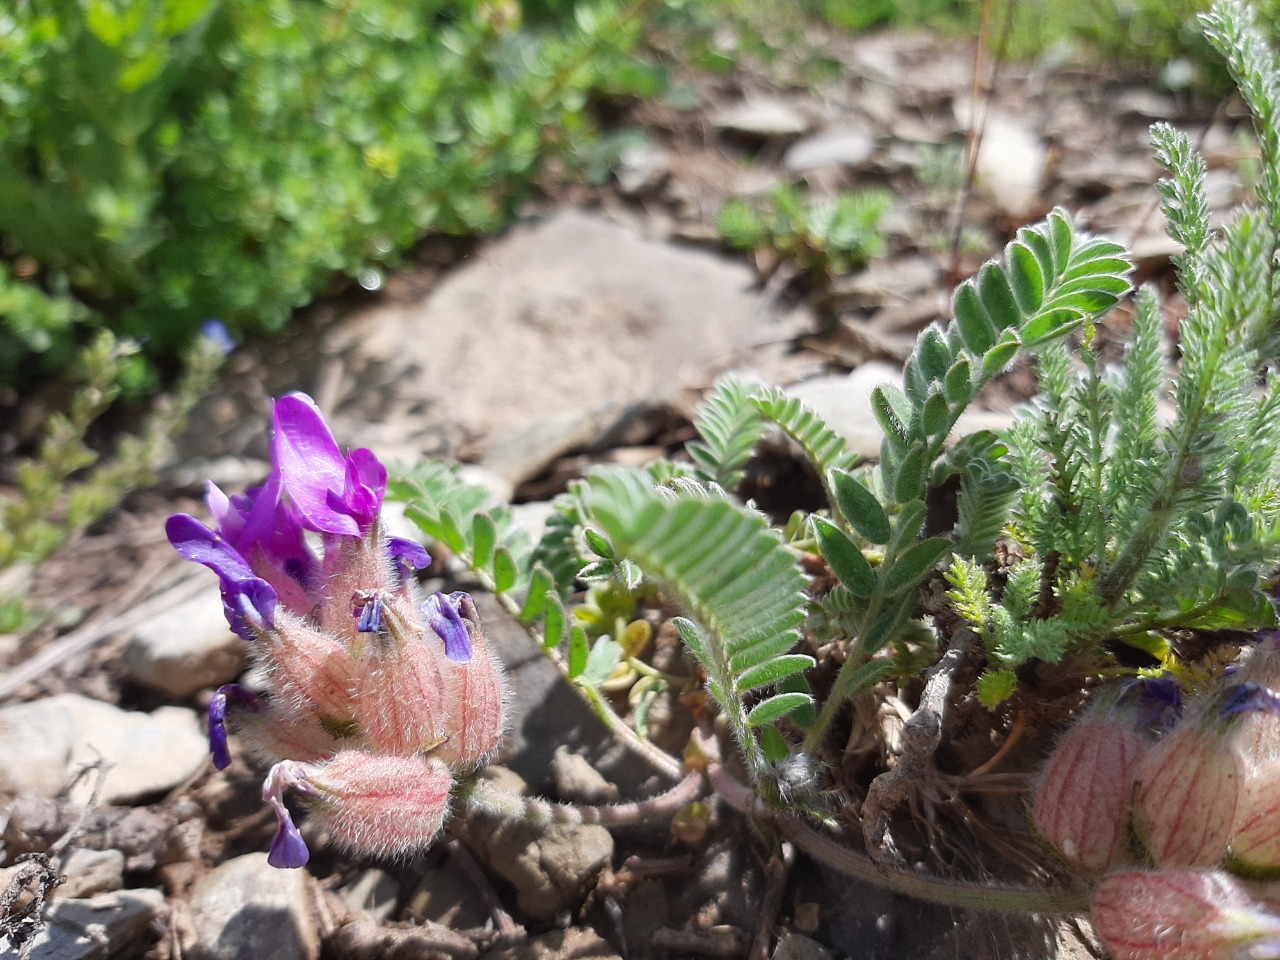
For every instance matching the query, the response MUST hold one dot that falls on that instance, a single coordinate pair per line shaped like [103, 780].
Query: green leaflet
[721, 560]
[824, 448]
[730, 425]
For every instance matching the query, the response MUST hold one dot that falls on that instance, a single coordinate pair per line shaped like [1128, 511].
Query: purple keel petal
[443, 617]
[288, 849]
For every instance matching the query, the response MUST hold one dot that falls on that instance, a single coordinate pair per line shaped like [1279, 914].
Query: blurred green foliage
[165, 161]
[823, 237]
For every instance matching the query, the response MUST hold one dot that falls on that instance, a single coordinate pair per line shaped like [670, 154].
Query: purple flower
[269, 534]
[248, 601]
[218, 719]
[215, 330]
[407, 555]
[368, 611]
[288, 849]
[443, 617]
[334, 494]
[1249, 697]
[1158, 701]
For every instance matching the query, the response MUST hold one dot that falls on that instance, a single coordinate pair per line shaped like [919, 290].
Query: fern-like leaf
[822, 445]
[730, 426]
[727, 567]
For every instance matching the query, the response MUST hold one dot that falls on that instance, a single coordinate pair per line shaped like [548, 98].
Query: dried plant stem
[1001, 898]
[921, 735]
[484, 797]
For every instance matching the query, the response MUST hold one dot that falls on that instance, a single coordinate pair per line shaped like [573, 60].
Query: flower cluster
[377, 698]
[1178, 812]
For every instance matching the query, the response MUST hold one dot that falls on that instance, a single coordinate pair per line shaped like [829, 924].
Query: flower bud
[1083, 800]
[1188, 783]
[380, 805]
[475, 725]
[403, 695]
[1256, 845]
[310, 669]
[1084, 796]
[1182, 915]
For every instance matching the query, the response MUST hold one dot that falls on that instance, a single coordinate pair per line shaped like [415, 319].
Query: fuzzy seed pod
[380, 805]
[1186, 798]
[1084, 797]
[1182, 915]
[476, 725]
[1256, 844]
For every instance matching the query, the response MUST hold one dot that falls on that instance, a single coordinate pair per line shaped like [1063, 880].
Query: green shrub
[165, 161]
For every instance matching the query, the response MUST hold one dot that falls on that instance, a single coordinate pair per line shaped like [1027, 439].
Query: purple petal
[444, 619]
[407, 555]
[365, 485]
[1158, 701]
[369, 613]
[218, 719]
[288, 849]
[1249, 697]
[248, 601]
[310, 465]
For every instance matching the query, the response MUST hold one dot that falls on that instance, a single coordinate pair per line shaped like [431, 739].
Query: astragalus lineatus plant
[1097, 562]
[377, 696]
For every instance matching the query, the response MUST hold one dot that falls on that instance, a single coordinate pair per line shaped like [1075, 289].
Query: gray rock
[447, 896]
[763, 117]
[91, 872]
[551, 867]
[1011, 163]
[246, 908]
[186, 649]
[43, 741]
[848, 146]
[577, 780]
[375, 892]
[794, 946]
[110, 925]
[570, 314]
[641, 166]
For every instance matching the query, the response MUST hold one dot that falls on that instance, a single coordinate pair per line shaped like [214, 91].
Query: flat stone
[247, 908]
[110, 925]
[91, 872]
[551, 866]
[1011, 163]
[844, 402]
[548, 337]
[186, 649]
[847, 146]
[794, 946]
[375, 892]
[763, 117]
[43, 741]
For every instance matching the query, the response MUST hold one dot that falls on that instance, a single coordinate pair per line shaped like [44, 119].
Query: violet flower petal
[443, 617]
[310, 465]
[1249, 697]
[369, 613]
[218, 718]
[288, 849]
[407, 555]
[248, 601]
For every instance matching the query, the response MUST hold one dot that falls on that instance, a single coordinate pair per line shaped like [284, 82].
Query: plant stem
[968, 894]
